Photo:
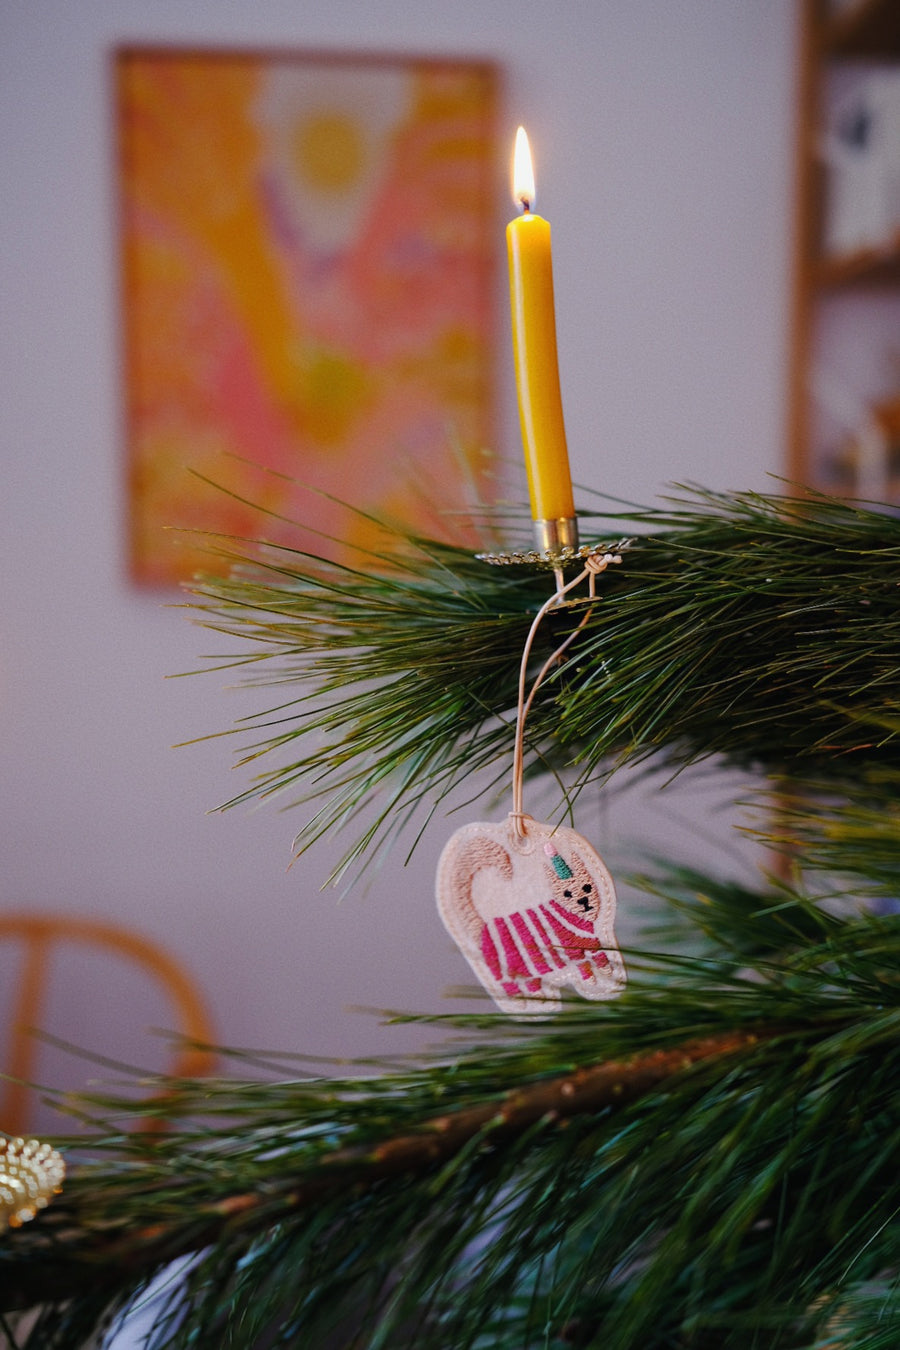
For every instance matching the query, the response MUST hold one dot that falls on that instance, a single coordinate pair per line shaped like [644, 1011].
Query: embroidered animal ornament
[531, 912]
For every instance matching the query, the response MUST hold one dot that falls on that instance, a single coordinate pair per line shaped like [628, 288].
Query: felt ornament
[532, 906]
[531, 912]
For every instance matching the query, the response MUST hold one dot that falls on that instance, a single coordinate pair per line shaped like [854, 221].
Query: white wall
[664, 130]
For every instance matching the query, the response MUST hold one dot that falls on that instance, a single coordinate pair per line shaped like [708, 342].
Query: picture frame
[308, 252]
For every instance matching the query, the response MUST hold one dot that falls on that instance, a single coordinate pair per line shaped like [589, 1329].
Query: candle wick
[526, 204]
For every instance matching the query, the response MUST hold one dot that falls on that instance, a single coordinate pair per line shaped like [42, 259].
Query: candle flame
[523, 173]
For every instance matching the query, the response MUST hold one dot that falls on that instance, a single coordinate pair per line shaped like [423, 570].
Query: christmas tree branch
[762, 629]
[711, 1160]
[608, 1116]
[435, 1142]
[269, 1158]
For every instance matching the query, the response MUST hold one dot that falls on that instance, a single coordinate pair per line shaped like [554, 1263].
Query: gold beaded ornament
[31, 1173]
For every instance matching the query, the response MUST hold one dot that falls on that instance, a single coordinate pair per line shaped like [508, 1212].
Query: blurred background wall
[664, 131]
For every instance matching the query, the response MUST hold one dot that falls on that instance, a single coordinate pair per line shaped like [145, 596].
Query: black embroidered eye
[587, 887]
[567, 894]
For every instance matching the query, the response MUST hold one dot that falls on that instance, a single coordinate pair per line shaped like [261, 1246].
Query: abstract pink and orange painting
[308, 261]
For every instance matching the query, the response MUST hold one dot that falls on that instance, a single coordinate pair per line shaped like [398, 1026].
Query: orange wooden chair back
[38, 935]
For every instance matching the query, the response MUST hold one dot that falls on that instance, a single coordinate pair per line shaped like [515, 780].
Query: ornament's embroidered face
[572, 884]
[532, 911]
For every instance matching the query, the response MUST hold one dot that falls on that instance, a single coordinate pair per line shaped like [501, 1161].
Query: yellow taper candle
[537, 365]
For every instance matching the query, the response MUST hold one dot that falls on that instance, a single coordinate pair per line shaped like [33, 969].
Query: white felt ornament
[531, 907]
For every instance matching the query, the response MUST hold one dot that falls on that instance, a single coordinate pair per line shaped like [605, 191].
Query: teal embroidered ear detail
[560, 866]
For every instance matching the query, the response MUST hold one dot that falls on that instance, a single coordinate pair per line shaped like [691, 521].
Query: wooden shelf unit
[865, 31]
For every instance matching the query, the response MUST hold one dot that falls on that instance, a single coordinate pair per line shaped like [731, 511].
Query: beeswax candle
[537, 364]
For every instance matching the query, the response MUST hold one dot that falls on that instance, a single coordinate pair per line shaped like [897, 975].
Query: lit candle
[536, 363]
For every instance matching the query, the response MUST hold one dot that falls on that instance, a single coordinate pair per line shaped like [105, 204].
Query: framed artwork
[309, 247]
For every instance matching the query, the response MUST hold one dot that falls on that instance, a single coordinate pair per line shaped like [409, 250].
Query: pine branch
[761, 629]
[710, 1161]
[774, 1149]
[436, 1142]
